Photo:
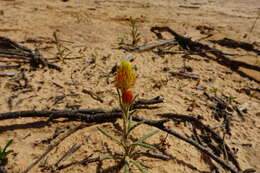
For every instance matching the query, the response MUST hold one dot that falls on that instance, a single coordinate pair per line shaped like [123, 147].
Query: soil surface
[89, 34]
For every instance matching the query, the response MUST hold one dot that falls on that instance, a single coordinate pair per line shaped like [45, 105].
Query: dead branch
[71, 150]
[203, 49]
[11, 49]
[9, 66]
[108, 117]
[84, 162]
[185, 75]
[150, 46]
[87, 115]
[198, 124]
[236, 44]
[160, 125]
[101, 116]
[52, 146]
[8, 74]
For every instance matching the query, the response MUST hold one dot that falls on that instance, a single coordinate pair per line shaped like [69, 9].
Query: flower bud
[127, 97]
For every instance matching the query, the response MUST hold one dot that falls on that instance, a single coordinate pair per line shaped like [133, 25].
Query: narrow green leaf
[109, 135]
[129, 125]
[132, 127]
[126, 168]
[138, 166]
[7, 145]
[145, 145]
[147, 136]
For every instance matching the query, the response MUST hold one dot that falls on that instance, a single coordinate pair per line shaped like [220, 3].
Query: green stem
[126, 123]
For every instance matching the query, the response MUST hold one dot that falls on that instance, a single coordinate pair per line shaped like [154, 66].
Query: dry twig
[52, 146]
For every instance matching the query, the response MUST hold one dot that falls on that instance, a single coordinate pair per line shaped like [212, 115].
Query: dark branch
[11, 49]
[193, 46]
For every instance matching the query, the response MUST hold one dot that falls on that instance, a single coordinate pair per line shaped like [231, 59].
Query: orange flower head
[125, 76]
[127, 97]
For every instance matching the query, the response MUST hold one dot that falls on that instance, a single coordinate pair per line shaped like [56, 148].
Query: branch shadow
[38, 124]
[188, 165]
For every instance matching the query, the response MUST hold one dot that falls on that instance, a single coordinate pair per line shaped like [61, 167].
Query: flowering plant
[125, 80]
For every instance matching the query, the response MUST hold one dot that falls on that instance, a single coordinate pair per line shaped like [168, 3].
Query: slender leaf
[7, 145]
[126, 168]
[147, 136]
[109, 135]
[138, 166]
[145, 145]
[132, 127]
[129, 124]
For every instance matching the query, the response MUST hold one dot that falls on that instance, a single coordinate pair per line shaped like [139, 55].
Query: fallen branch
[185, 75]
[11, 49]
[193, 46]
[198, 124]
[160, 125]
[92, 117]
[150, 46]
[9, 66]
[52, 146]
[236, 44]
[84, 162]
[186, 6]
[71, 150]
[8, 74]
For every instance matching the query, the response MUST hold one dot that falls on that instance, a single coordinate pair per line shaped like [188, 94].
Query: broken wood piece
[150, 46]
[185, 75]
[8, 74]
[9, 66]
[187, 6]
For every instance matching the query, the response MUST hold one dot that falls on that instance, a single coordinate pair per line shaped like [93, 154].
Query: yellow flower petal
[125, 76]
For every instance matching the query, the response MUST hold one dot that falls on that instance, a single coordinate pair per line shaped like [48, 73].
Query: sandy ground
[91, 30]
